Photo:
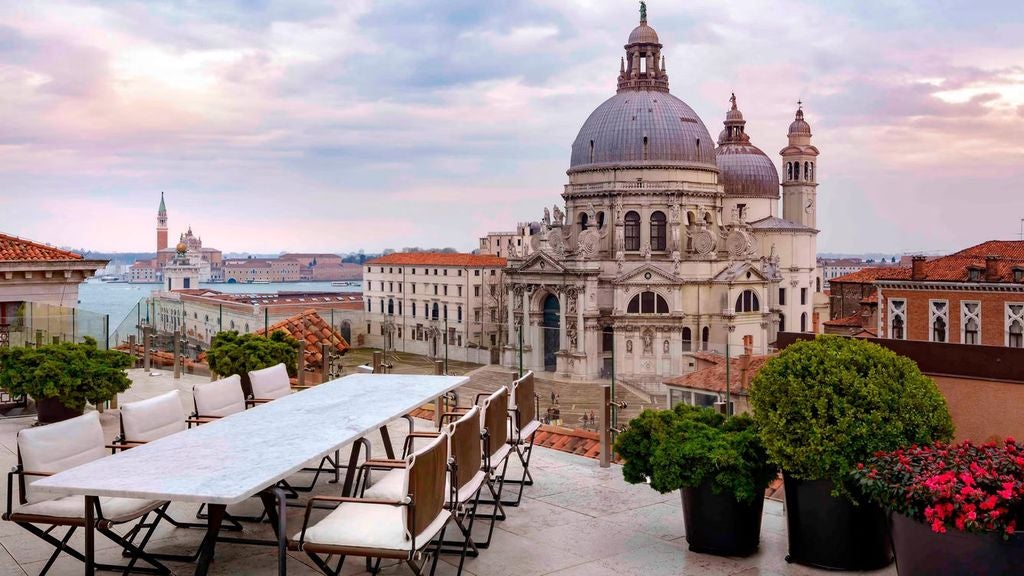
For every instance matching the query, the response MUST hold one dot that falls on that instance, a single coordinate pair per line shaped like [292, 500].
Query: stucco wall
[983, 409]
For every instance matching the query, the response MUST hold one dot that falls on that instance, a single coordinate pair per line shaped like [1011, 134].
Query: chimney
[991, 269]
[917, 267]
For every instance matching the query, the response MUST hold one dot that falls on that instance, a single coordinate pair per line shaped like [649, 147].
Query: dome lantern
[643, 62]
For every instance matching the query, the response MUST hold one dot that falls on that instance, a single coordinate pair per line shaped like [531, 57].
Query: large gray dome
[615, 133]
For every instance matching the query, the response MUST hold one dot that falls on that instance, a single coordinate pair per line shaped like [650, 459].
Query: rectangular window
[476, 272]
[476, 291]
[445, 289]
[782, 296]
[476, 315]
[414, 288]
[970, 322]
[460, 290]
[803, 296]
[435, 289]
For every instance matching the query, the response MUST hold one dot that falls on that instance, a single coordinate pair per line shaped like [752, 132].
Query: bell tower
[800, 173]
[161, 225]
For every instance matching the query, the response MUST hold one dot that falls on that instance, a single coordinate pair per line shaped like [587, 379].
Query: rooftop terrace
[577, 519]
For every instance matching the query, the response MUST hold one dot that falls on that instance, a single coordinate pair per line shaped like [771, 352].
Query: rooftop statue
[643, 11]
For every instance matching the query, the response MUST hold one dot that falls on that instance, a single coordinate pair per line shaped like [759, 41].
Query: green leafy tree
[687, 447]
[76, 374]
[824, 405]
[234, 353]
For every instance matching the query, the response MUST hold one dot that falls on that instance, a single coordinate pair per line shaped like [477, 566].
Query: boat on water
[260, 282]
[343, 283]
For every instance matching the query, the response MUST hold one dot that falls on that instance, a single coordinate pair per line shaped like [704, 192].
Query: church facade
[669, 242]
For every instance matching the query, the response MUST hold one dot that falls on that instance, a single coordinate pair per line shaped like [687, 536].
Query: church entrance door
[552, 331]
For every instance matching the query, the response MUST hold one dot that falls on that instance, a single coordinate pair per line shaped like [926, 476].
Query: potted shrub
[717, 463]
[822, 406]
[234, 353]
[954, 509]
[62, 378]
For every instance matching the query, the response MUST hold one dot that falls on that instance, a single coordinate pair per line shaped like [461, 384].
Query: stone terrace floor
[579, 519]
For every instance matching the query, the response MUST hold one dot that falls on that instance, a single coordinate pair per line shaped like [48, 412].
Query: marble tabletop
[233, 458]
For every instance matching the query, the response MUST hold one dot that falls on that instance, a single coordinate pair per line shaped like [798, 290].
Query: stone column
[581, 331]
[563, 328]
[512, 340]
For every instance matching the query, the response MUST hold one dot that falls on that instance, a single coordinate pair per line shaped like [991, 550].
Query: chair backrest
[57, 447]
[524, 398]
[428, 468]
[152, 418]
[270, 383]
[465, 446]
[495, 418]
[219, 398]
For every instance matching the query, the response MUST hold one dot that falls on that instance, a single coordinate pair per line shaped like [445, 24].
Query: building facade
[208, 260]
[261, 270]
[436, 304]
[974, 296]
[667, 243]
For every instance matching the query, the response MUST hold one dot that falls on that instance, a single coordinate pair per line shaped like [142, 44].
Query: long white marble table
[234, 458]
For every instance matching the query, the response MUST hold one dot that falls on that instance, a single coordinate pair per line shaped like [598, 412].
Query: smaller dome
[799, 125]
[643, 34]
[181, 247]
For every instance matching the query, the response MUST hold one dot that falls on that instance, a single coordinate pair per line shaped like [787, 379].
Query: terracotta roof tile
[712, 378]
[310, 328]
[439, 259]
[869, 275]
[17, 249]
[851, 321]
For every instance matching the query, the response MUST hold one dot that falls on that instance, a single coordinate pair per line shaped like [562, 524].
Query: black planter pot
[50, 410]
[718, 524]
[833, 533]
[920, 551]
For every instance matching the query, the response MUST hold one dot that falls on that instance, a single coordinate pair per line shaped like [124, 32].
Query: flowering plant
[969, 487]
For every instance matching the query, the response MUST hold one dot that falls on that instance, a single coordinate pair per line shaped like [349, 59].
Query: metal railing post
[328, 364]
[604, 425]
[147, 342]
[177, 355]
[378, 362]
[131, 349]
[300, 364]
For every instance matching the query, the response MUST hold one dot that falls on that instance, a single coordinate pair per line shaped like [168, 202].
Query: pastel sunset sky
[334, 126]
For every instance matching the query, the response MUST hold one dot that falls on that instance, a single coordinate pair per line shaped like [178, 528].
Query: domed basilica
[669, 243]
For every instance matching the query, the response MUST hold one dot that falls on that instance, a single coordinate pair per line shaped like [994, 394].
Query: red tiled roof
[869, 275]
[312, 330]
[712, 378]
[1010, 249]
[851, 321]
[17, 249]
[439, 259]
[956, 268]
[572, 440]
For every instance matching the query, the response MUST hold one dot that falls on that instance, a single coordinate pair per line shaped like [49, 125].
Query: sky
[336, 126]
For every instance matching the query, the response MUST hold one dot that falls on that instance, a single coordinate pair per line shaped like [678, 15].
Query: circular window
[647, 276]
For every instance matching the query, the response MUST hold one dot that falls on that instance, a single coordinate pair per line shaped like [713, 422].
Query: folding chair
[50, 449]
[466, 468]
[494, 417]
[524, 409]
[269, 384]
[385, 528]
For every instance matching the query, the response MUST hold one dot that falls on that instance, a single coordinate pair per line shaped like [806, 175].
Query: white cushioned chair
[218, 399]
[464, 445]
[385, 528]
[270, 384]
[47, 450]
[523, 408]
[151, 419]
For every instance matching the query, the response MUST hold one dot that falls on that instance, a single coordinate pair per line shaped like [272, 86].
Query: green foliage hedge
[824, 405]
[75, 374]
[688, 446]
[234, 353]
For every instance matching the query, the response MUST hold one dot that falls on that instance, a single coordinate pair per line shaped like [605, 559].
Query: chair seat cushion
[528, 430]
[374, 526]
[116, 510]
[391, 486]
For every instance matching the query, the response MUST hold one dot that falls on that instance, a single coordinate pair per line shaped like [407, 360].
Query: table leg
[385, 437]
[275, 503]
[215, 515]
[90, 535]
[438, 412]
[350, 473]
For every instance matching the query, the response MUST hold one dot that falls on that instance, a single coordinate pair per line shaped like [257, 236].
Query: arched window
[811, 177]
[391, 306]
[782, 322]
[645, 147]
[1016, 335]
[687, 339]
[707, 219]
[647, 303]
[436, 311]
[632, 231]
[747, 302]
[803, 322]
[413, 309]
[583, 221]
[658, 241]
[445, 311]
[460, 314]
[399, 307]
[705, 335]
[789, 170]
[600, 220]
[897, 328]
[971, 329]
[807, 170]
[591, 151]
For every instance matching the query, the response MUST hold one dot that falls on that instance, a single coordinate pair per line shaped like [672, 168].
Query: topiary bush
[75, 374]
[688, 446]
[824, 405]
[234, 353]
